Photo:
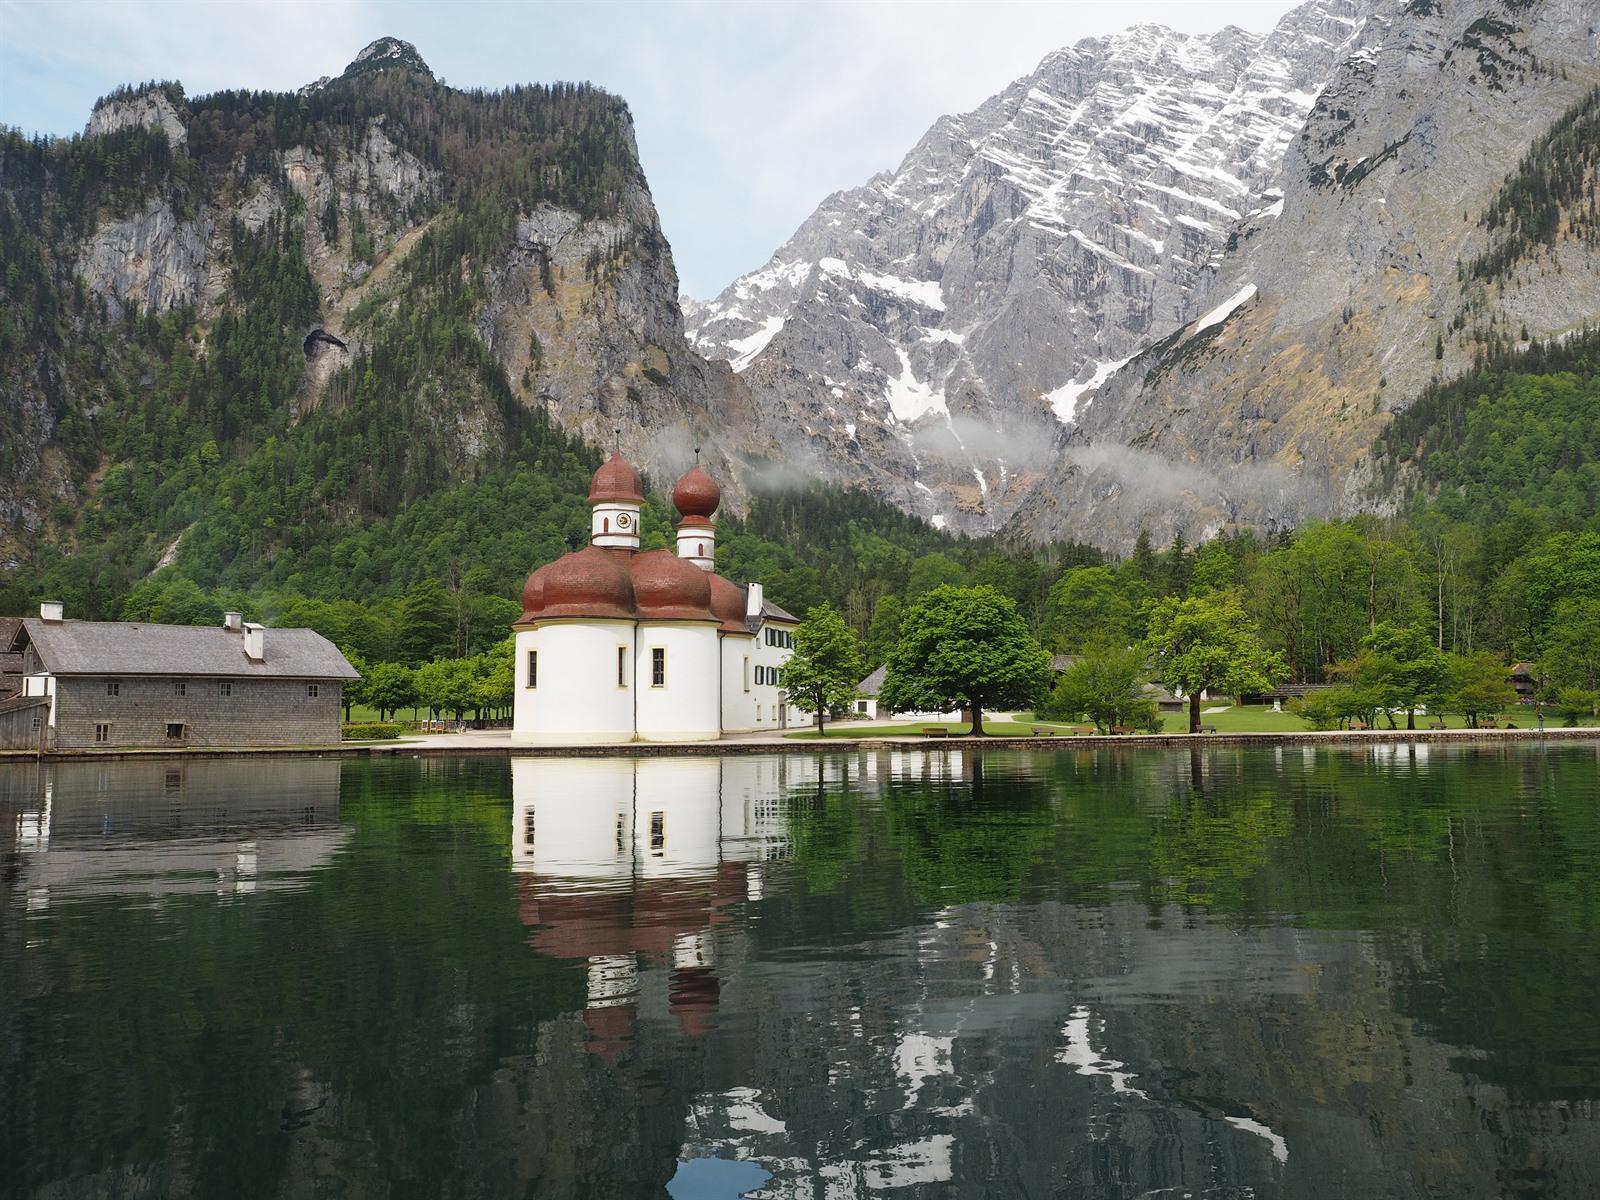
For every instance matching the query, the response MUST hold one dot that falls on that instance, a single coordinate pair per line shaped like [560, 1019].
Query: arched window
[605, 525]
[701, 552]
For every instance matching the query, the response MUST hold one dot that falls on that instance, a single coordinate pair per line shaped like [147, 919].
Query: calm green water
[1356, 973]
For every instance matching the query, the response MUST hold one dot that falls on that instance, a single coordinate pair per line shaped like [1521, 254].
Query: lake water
[1363, 972]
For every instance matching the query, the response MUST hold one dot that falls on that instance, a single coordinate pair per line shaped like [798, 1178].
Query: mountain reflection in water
[1299, 972]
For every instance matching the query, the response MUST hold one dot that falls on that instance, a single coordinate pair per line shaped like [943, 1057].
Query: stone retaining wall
[849, 745]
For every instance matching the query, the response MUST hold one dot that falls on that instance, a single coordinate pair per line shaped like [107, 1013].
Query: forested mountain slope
[236, 327]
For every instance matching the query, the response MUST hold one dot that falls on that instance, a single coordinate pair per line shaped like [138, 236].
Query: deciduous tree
[966, 647]
[822, 673]
[1208, 642]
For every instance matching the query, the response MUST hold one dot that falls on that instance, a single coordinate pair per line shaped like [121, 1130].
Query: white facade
[567, 693]
[620, 646]
[677, 669]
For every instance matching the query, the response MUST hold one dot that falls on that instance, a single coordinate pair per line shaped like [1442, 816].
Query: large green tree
[1402, 666]
[1208, 643]
[1106, 683]
[1570, 663]
[390, 687]
[1085, 605]
[822, 673]
[964, 647]
[1476, 686]
[427, 623]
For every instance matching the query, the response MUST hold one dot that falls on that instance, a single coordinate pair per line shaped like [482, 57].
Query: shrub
[370, 731]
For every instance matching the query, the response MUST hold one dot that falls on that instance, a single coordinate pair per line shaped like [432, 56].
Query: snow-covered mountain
[927, 335]
[1367, 284]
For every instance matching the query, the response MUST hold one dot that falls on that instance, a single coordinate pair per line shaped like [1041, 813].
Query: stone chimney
[753, 601]
[255, 641]
[233, 622]
[53, 611]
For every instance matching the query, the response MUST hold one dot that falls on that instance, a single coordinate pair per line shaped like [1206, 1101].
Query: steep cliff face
[1340, 303]
[927, 334]
[384, 210]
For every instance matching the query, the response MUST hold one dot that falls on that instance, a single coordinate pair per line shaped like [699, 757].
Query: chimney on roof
[53, 611]
[233, 622]
[752, 601]
[255, 641]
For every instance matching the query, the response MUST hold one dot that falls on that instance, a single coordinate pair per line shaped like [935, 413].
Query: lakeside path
[497, 743]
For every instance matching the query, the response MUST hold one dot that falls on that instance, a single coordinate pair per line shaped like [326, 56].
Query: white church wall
[573, 817]
[577, 698]
[686, 708]
[753, 825]
[677, 816]
[738, 668]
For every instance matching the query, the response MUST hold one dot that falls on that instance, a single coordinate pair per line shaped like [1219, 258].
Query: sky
[748, 114]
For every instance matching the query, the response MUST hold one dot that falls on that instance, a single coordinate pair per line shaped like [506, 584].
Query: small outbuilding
[866, 703]
[120, 684]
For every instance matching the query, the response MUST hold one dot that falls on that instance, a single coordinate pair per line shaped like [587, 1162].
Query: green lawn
[956, 728]
[1252, 719]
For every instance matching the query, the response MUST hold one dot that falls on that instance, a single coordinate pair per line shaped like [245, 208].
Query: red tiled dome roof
[617, 481]
[666, 587]
[586, 583]
[697, 494]
[533, 593]
[727, 604]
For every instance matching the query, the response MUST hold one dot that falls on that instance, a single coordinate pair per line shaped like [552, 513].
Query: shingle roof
[129, 648]
[873, 684]
[772, 612]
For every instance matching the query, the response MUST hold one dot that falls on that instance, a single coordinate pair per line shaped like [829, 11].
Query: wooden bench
[1123, 730]
[935, 731]
[1043, 731]
[1208, 729]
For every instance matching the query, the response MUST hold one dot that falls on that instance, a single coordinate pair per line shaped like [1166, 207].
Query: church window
[533, 668]
[658, 666]
[701, 549]
[622, 666]
[605, 525]
[747, 673]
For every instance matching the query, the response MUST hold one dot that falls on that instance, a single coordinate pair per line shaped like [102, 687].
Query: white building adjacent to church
[616, 644]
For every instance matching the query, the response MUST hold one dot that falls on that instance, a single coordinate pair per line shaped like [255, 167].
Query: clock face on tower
[623, 520]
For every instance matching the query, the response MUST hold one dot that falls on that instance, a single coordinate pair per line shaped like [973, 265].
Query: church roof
[616, 482]
[696, 495]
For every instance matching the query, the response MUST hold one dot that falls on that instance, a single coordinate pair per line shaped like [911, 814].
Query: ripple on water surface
[1308, 971]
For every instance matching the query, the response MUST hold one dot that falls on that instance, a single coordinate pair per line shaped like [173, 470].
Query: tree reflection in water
[1298, 972]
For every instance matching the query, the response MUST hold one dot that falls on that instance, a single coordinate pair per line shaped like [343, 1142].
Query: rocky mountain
[395, 284]
[1400, 253]
[928, 334]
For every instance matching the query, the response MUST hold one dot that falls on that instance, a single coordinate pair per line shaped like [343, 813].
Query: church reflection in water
[631, 865]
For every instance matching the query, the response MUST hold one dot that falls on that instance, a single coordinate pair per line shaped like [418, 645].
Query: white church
[616, 644]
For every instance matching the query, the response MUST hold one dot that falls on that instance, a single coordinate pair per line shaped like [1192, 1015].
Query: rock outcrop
[927, 334]
[1346, 299]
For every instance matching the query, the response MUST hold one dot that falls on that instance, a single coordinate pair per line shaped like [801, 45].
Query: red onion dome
[587, 583]
[533, 594]
[727, 605]
[669, 588]
[697, 494]
[616, 482]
